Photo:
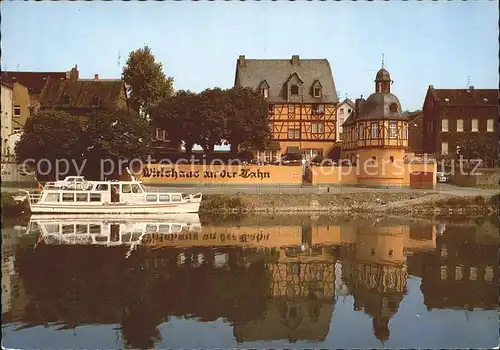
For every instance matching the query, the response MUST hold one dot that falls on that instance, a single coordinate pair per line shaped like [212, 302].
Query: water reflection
[271, 280]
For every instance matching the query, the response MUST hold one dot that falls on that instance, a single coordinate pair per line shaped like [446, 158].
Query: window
[474, 127]
[95, 197]
[164, 198]
[52, 197]
[81, 228]
[318, 109]
[126, 188]
[490, 125]
[393, 107]
[374, 129]
[176, 198]
[373, 252]
[271, 109]
[68, 229]
[391, 158]
[294, 133]
[444, 125]
[291, 110]
[95, 101]
[82, 197]
[390, 252]
[136, 189]
[444, 148]
[361, 131]
[341, 120]
[393, 130]
[265, 92]
[151, 198]
[102, 187]
[318, 128]
[17, 111]
[160, 134]
[151, 228]
[374, 158]
[17, 129]
[294, 89]
[317, 92]
[68, 197]
[460, 125]
[341, 111]
[94, 229]
[349, 110]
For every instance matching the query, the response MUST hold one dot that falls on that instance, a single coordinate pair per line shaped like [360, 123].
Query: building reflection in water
[270, 282]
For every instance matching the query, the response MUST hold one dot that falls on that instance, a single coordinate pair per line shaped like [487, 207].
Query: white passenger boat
[76, 195]
[115, 231]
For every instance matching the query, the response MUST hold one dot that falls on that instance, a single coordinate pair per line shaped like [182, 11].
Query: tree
[477, 146]
[247, 119]
[146, 83]
[51, 135]
[178, 116]
[116, 135]
[213, 118]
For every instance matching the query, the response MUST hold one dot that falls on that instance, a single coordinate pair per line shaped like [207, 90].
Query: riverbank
[397, 203]
[423, 203]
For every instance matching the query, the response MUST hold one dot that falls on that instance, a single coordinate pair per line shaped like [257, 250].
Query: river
[249, 282]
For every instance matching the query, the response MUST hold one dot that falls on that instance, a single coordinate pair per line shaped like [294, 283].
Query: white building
[343, 111]
[6, 111]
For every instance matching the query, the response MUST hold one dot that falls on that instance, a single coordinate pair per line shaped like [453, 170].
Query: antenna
[468, 81]
[119, 58]
[382, 60]
[17, 67]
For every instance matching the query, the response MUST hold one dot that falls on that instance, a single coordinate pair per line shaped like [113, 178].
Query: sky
[444, 44]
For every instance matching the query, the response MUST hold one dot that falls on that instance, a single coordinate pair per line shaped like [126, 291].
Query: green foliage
[117, 135]
[246, 155]
[478, 146]
[146, 83]
[12, 208]
[51, 135]
[237, 115]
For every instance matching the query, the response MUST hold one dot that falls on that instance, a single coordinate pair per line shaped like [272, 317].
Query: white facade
[344, 109]
[6, 111]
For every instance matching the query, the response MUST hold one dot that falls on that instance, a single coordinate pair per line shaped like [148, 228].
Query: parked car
[441, 177]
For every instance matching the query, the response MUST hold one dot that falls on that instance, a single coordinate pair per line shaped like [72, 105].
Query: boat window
[68, 229]
[52, 228]
[95, 197]
[101, 238]
[176, 227]
[176, 198]
[136, 189]
[82, 197]
[80, 228]
[164, 198]
[94, 228]
[150, 228]
[101, 187]
[52, 197]
[164, 228]
[151, 198]
[126, 188]
[68, 197]
[136, 237]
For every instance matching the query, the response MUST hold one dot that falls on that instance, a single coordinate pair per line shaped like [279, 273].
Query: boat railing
[34, 198]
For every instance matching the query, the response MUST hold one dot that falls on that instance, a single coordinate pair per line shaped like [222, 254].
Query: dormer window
[95, 102]
[393, 107]
[264, 92]
[294, 90]
[317, 92]
[66, 99]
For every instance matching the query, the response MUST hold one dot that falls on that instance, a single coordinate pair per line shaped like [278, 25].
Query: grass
[12, 208]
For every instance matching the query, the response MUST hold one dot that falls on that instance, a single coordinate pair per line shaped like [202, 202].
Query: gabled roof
[33, 81]
[81, 93]
[251, 72]
[264, 85]
[292, 76]
[347, 101]
[412, 116]
[465, 97]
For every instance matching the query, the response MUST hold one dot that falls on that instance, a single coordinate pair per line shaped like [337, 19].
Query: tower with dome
[376, 136]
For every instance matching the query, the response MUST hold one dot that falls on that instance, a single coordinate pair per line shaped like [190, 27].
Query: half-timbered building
[302, 101]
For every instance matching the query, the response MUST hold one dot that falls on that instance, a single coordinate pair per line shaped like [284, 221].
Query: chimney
[359, 104]
[295, 60]
[241, 60]
[74, 74]
[96, 76]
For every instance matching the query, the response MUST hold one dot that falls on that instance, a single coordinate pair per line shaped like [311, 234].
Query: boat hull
[112, 208]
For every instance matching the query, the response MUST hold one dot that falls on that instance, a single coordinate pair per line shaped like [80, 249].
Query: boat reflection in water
[270, 280]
